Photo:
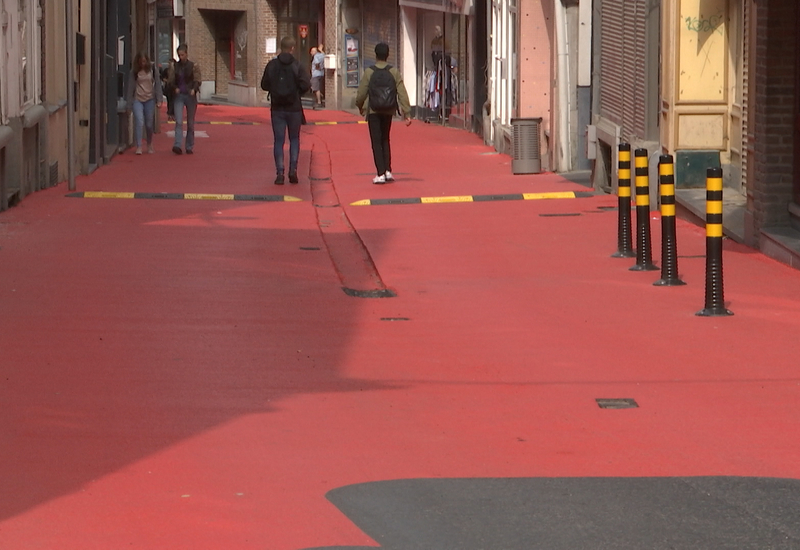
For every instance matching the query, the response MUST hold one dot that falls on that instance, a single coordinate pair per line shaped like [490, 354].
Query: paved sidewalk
[188, 371]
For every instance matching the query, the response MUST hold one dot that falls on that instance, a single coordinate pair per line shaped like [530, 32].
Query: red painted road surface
[189, 374]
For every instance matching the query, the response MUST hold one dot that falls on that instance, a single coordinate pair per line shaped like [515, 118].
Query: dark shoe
[177, 150]
[279, 179]
[293, 177]
[190, 151]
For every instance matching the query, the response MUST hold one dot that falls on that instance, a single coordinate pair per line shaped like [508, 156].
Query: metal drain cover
[617, 403]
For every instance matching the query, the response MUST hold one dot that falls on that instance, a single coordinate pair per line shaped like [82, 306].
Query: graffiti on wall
[702, 50]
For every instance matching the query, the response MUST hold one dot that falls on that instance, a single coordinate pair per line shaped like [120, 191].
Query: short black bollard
[644, 261]
[715, 296]
[624, 239]
[669, 246]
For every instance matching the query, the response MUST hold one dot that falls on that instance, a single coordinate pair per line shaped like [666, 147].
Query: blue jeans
[190, 101]
[143, 112]
[281, 122]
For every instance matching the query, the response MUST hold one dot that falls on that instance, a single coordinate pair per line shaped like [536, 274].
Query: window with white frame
[30, 50]
[3, 65]
[504, 51]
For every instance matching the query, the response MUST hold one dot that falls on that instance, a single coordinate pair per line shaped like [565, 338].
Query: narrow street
[195, 358]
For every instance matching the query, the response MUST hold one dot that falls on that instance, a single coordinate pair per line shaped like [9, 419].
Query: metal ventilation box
[525, 138]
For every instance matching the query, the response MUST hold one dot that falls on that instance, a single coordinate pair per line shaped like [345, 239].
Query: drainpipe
[563, 88]
[70, 96]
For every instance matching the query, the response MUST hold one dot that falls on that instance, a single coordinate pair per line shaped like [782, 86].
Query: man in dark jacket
[286, 81]
[184, 81]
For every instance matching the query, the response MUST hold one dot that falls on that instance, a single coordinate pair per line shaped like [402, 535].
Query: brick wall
[772, 113]
[262, 23]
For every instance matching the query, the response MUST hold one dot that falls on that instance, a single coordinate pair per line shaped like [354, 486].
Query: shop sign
[463, 7]
[164, 9]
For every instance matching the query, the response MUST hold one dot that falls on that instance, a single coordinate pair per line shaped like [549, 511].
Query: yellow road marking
[436, 200]
[555, 195]
[207, 197]
[107, 195]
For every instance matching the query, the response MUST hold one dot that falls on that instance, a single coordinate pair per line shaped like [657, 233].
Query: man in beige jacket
[376, 86]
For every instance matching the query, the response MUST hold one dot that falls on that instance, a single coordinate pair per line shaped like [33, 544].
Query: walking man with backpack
[381, 93]
[286, 81]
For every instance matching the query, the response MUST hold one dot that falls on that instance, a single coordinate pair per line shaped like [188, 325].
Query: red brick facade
[201, 18]
[773, 116]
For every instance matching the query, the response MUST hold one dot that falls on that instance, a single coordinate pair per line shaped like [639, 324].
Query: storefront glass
[443, 67]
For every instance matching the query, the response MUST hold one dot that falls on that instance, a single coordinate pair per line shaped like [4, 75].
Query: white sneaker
[138, 150]
[150, 149]
[378, 180]
[389, 177]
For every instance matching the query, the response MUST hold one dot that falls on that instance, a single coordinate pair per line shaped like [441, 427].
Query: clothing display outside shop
[441, 84]
[443, 78]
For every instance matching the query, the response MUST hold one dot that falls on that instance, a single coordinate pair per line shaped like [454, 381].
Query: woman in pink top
[144, 94]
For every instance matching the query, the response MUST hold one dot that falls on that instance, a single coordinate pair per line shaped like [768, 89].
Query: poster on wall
[351, 59]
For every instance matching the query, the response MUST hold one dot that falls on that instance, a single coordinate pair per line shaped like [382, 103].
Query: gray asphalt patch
[575, 513]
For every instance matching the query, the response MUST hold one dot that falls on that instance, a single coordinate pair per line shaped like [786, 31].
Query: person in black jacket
[184, 79]
[286, 81]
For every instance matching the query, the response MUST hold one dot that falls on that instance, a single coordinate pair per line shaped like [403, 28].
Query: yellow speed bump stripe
[246, 123]
[183, 196]
[107, 195]
[439, 200]
[207, 197]
[333, 122]
[226, 123]
[477, 198]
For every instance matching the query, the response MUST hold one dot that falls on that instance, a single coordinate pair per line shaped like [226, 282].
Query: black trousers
[379, 128]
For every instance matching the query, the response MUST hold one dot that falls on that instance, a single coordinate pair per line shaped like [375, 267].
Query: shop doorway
[303, 22]
[796, 182]
[444, 68]
[230, 54]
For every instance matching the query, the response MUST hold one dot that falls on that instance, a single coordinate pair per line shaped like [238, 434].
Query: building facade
[772, 218]
[24, 146]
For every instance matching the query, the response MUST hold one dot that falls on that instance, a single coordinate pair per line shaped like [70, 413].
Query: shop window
[3, 71]
[444, 67]
[30, 46]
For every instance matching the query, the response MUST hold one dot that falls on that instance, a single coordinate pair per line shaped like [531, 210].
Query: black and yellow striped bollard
[715, 296]
[624, 239]
[669, 241]
[644, 256]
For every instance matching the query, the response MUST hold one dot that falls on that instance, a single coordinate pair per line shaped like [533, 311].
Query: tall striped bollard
[644, 261]
[715, 296]
[624, 239]
[669, 246]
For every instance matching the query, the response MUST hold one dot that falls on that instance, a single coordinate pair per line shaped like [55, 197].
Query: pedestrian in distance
[143, 95]
[184, 79]
[381, 93]
[169, 93]
[317, 74]
[286, 81]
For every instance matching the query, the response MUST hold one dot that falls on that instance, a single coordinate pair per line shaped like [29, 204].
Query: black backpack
[283, 90]
[382, 91]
